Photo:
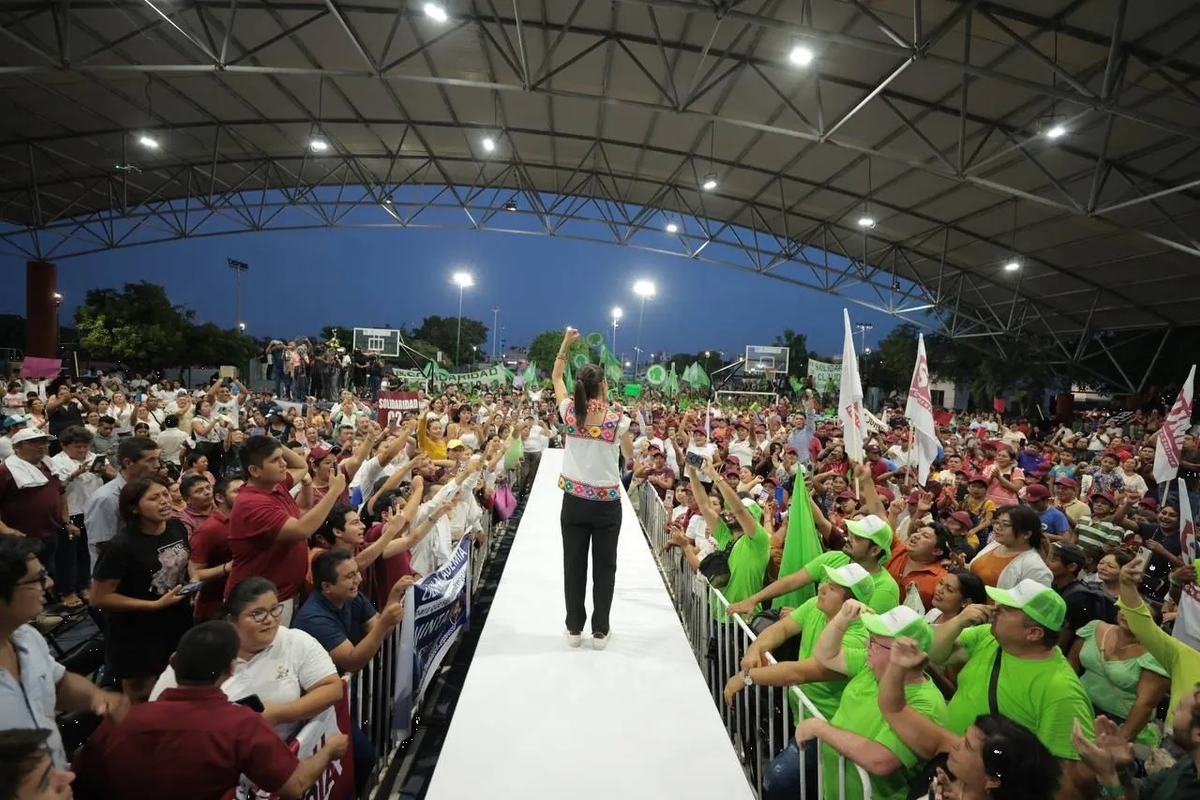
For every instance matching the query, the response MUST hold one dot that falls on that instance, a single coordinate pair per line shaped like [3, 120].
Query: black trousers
[589, 525]
[72, 560]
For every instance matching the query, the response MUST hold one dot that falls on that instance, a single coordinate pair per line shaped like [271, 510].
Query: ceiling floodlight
[801, 56]
[148, 142]
[710, 182]
[318, 145]
[672, 227]
[489, 144]
[1012, 266]
[866, 222]
[435, 12]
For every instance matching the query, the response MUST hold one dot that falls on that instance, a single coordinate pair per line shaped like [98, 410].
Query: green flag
[531, 373]
[802, 545]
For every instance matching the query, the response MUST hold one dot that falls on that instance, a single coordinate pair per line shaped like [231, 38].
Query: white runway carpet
[537, 719]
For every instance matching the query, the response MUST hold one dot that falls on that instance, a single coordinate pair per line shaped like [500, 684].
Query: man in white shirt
[136, 457]
[437, 547]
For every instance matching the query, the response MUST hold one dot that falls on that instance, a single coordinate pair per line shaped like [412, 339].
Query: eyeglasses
[260, 615]
[40, 579]
[1002, 525]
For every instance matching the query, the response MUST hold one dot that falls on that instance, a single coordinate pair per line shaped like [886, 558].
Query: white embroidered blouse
[589, 469]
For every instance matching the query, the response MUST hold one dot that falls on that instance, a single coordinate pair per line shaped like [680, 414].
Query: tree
[138, 325]
[344, 335]
[797, 345]
[214, 346]
[442, 333]
[897, 356]
[544, 348]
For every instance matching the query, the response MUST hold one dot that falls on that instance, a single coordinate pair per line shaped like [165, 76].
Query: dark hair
[1025, 522]
[132, 493]
[76, 434]
[186, 485]
[222, 486]
[21, 750]
[133, 449]
[15, 554]
[205, 652]
[1122, 557]
[943, 539]
[589, 380]
[458, 411]
[325, 565]
[193, 457]
[336, 521]
[171, 421]
[107, 420]
[1015, 756]
[242, 593]
[258, 449]
[970, 586]
[384, 502]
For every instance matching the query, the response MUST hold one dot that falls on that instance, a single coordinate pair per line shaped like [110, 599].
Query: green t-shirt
[825, 695]
[721, 535]
[747, 565]
[887, 592]
[859, 713]
[1044, 695]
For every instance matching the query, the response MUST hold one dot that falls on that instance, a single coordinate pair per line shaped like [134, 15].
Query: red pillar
[41, 309]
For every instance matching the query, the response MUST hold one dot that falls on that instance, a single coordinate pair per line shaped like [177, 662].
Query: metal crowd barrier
[758, 721]
[373, 688]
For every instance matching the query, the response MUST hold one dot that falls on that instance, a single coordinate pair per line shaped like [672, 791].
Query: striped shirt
[1103, 533]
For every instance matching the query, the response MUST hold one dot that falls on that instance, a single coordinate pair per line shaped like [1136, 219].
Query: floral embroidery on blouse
[587, 491]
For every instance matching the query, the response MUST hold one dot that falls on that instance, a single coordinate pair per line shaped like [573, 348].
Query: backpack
[1093, 598]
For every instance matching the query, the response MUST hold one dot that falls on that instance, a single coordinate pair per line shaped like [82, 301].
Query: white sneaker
[573, 639]
[600, 640]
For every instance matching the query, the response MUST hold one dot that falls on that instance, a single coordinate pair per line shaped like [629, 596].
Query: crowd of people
[1023, 624]
[232, 546]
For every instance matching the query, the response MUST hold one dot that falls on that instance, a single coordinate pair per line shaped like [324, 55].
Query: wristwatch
[746, 679]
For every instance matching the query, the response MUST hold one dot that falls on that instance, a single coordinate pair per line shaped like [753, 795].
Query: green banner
[495, 377]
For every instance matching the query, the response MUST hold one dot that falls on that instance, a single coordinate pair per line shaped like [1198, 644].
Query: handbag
[715, 567]
[504, 502]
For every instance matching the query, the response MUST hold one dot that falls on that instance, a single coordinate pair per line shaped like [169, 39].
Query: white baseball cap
[29, 435]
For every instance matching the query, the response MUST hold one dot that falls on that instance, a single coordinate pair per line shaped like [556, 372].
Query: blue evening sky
[301, 280]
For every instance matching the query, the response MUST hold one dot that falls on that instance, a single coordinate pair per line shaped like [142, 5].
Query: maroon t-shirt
[210, 548]
[387, 571]
[254, 525]
[35, 511]
[190, 742]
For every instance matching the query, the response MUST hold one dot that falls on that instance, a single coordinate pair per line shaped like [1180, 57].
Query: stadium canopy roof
[1055, 137]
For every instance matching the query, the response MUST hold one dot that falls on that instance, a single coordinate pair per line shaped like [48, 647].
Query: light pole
[616, 316]
[495, 329]
[643, 289]
[463, 280]
[57, 306]
[863, 327]
[238, 268]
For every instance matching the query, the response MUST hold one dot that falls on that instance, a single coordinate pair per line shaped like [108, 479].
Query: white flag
[1170, 436]
[1187, 529]
[919, 411]
[850, 403]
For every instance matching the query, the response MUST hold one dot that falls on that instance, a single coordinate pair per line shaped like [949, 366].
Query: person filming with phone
[139, 580]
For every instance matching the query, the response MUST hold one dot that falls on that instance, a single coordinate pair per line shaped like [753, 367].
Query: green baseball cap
[855, 578]
[901, 621]
[1041, 603]
[875, 529]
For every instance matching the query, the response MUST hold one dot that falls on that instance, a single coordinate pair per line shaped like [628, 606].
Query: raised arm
[828, 649]
[919, 733]
[560, 367]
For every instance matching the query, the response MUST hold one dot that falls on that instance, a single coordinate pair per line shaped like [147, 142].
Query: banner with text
[394, 405]
[337, 781]
[494, 377]
[826, 376]
[436, 609]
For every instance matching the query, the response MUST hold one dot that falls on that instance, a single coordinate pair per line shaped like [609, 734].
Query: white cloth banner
[850, 403]
[919, 411]
[1170, 437]
[825, 375]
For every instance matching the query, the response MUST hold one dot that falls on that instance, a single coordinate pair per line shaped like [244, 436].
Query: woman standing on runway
[591, 481]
